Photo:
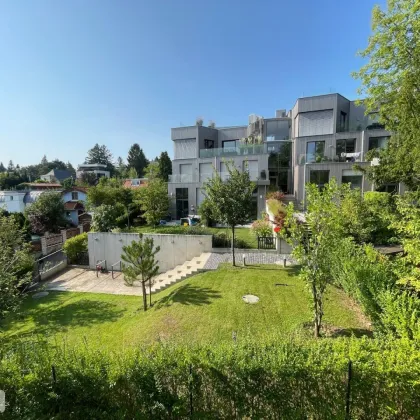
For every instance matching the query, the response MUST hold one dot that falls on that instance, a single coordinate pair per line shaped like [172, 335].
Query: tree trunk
[316, 320]
[143, 285]
[233, 245]
[150, 292]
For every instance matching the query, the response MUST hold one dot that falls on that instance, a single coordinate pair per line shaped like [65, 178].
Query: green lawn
[204, 308]
[241, 233]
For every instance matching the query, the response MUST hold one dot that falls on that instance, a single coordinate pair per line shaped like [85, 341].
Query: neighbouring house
[74, 202]
[135, 183]
[56, 175]
[98, 169]
[12, 201]
[38, 186]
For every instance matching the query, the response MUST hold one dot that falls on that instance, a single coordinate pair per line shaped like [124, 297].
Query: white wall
[12, 201]
[174, 249]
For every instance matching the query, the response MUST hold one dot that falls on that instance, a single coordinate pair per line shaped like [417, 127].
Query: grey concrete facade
[327, 133]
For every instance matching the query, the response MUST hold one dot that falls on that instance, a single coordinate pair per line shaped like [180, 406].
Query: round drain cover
[39, 295]
[250, 299]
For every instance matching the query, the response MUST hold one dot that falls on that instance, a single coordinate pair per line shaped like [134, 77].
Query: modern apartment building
[320, 138]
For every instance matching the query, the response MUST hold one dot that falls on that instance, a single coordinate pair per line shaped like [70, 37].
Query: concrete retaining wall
[174, 249]
[53, 270]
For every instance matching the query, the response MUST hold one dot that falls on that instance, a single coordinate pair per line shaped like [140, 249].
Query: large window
[315, 151]
[343, 121]
[389, 188]
[280, 155]
[74, 195]
[378, 142]
[181, 195]
[320, 178]
[354, 178]
[344, 146]
[208, 144]
[277, 130]
[229, 146]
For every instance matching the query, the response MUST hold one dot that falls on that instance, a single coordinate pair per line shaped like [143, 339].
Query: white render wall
[12, 201]
[174, 249]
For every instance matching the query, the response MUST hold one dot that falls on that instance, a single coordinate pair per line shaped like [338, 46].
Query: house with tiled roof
[135, 183]
[74, 203]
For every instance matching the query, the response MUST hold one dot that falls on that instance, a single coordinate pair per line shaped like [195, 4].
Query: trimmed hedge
[287, 380]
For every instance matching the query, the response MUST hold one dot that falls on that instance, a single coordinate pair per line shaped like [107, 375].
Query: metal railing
[267, 242]
[322, 158]
[178, 178]
[181, 178]
[240, 150]
[112, 267]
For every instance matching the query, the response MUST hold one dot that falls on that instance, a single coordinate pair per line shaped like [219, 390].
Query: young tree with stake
[230, 199]
[140, 264]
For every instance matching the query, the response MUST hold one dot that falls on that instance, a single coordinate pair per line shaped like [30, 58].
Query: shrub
[274, 195]
[292, 379]
[261, 227]
[75, 246]
[206, 212]
[224, 240]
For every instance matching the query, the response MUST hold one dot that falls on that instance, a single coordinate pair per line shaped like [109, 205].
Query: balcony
[180, 178]
[322, 158]
[184, 178]
[241, 150]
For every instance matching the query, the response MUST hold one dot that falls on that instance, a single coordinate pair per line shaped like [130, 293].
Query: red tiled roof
[81, 189]
[128, 184]
[73, 205]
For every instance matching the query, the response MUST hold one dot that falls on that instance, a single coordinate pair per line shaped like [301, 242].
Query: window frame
[315, 152]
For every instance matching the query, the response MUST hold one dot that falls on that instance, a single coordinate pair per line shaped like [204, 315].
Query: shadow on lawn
[81, 313]
[189, 295]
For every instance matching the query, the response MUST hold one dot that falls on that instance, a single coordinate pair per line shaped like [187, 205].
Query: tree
[16, 264]
[100, 154]
[132, 173]
[10, 166]
[71, 169]
[121, 168]
[165, 166]
[67, 183]
[140, 264]
[390, 82]
[313, 242]
[136, 159]
[107, 217]
[88, 179]
[230, 200]
[153, 200]
[47, 213]
[2, 168]
[152, 171]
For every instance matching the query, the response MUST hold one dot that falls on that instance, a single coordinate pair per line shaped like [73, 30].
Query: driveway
[83, 280]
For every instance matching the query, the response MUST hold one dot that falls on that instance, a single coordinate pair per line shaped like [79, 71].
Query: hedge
[284, 380]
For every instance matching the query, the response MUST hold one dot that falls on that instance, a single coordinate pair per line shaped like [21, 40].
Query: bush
[224, 240]
[287, 380]
[274, 195]
[206, 213]
[261, 227]
[75, 246]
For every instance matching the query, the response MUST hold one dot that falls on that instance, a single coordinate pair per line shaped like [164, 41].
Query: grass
[241, 233]
[205, 308]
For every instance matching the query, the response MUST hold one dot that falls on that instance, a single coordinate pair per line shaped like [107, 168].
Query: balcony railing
[183, 178]
[180, 178]
[322, 158]
[241, 150]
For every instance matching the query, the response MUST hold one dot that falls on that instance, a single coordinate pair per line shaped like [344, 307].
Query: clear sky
[117, 72]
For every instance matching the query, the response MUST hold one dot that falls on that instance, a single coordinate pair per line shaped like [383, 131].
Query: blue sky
[78, 72]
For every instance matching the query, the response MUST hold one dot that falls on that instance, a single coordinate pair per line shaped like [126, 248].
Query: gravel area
[251, 258]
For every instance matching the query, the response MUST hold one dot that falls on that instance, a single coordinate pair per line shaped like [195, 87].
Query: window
[345, 146]
[208, 144]
[343, 121]
[74, 195]
[11, 198]
[315, 151]
[320, 178]
[181, 195]
[389, 188]
[229, 146]
[277, 130]
[378, 142]
[354, 178]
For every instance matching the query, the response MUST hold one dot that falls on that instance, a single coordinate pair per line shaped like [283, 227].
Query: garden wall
[174, 249]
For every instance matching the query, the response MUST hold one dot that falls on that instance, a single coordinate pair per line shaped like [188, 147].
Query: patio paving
[83, 280]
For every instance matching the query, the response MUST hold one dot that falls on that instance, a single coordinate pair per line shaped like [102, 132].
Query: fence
[267, 242]
[52, 243]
